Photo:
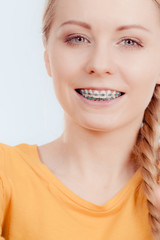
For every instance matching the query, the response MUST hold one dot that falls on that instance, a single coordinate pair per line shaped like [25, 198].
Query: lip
[100, 89]
[99, 103]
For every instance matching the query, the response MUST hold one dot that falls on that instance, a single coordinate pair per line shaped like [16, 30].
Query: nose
[100, 62]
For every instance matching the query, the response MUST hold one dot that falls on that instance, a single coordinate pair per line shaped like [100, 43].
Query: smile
[102, 95]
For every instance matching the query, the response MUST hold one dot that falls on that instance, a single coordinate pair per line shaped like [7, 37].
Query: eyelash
[68, 41]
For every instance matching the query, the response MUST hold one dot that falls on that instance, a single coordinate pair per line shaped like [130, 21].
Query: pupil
[129, 42]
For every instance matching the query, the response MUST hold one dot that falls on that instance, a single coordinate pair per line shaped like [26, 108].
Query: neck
[99, 153]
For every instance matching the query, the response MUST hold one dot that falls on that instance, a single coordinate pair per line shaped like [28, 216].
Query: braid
[147, 151]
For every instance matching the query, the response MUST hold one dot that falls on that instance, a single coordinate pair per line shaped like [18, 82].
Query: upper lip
[100, 89]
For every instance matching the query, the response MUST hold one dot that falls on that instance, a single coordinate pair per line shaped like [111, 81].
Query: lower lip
[99, 103]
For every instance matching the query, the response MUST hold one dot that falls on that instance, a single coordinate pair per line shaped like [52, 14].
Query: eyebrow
[87, 26]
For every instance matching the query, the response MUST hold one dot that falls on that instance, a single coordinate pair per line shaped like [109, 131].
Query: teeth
[109, 94]
[95, 94]
[114, 94]
[102, 95]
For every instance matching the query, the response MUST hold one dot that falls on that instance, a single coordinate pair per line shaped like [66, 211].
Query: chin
[98, 126]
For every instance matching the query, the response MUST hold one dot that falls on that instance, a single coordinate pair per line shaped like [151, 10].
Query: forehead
[106, 13]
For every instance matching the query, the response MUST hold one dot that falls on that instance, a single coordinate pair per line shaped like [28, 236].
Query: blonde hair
[48, 18]
[146, 149]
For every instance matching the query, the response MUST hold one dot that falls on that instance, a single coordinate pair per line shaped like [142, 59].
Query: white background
[29, 110]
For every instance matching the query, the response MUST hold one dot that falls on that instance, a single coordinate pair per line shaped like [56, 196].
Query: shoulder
[12, 158]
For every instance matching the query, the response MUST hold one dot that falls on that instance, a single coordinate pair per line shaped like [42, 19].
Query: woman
[99, 179]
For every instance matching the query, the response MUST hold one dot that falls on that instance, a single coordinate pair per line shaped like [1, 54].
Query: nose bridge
[101, 59]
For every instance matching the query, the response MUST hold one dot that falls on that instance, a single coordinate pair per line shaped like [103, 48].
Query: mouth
[99, 94]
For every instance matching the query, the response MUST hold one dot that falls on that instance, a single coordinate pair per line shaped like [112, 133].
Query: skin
[94, 149]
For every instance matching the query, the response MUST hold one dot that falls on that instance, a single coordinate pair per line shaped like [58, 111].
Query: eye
[130, 43]
[76, 40]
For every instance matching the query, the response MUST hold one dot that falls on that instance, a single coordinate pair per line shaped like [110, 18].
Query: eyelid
[70, 36]
[131, 38]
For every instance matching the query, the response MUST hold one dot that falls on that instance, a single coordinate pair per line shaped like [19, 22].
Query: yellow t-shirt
[36, 205]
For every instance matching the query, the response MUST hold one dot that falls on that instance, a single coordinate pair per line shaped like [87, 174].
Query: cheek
[139, 74]
[140, 64]
[65, 62]
[66, 66]
[61, 70]
[64, 74]
[139, 71]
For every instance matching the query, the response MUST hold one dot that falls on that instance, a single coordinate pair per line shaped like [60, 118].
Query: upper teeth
[100, 94]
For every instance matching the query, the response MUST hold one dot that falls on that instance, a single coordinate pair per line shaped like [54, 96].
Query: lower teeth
[99, 99]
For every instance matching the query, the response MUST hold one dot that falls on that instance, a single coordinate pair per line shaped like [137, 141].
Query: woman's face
[105, 52]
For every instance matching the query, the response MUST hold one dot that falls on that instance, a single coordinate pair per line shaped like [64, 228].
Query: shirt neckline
[111, 204]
